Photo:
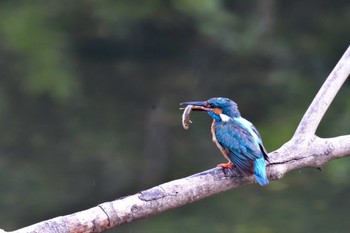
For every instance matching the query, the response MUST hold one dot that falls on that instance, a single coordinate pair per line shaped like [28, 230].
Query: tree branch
[305, 149]
[324, 97]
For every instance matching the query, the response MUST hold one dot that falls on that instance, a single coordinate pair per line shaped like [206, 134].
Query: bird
[237, 138]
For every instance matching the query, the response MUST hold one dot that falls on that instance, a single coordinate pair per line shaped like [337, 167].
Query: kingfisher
[237, 138]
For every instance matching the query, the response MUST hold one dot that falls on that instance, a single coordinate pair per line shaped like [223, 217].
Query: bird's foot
[227, 168]
[225, 165]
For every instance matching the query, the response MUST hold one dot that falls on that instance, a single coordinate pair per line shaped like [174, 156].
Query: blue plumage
[236, 137]
[260, 171]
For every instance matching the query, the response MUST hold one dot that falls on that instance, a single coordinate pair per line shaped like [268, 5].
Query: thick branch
[304, 150]
[313, 152]
[183, 191]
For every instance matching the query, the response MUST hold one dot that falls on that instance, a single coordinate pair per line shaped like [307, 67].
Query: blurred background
[89, 98]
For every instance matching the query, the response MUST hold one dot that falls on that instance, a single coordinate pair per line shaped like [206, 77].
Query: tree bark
[304, 149]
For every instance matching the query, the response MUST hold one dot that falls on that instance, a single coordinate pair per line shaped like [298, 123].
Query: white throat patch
[224, 117]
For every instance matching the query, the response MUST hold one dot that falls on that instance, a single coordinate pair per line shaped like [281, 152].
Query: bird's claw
[225, 165]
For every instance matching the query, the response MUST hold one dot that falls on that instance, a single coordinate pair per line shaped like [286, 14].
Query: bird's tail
[260, 171]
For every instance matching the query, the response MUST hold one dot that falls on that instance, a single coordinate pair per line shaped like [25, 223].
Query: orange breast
[213, 131]
[223, 151]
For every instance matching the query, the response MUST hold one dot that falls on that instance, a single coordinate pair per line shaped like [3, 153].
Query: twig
[324, 97]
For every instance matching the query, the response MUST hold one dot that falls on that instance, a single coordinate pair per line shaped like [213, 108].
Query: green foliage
[222, 24]
[42, 65]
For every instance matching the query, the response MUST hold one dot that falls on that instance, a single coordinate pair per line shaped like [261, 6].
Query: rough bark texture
[305, 149]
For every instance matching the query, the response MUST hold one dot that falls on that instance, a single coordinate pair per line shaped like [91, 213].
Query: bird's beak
[197, 105]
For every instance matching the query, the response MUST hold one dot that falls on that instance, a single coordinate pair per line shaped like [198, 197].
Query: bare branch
[340, 146]
[312, 152]
[324, 97]
[305, 149]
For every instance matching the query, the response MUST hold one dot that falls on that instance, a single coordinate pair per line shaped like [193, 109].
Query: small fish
[186, 116]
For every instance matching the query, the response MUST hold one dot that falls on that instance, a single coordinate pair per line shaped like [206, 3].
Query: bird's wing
[243, 148]
[262, 148]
